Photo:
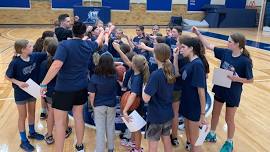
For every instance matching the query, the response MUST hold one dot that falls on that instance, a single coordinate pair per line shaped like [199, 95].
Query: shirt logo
[184, 75]
[227, 66]
[28, 70]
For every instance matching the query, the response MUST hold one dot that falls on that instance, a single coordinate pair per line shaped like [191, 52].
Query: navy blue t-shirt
[22, 71]
[194, 77]
[171, 42]
[126, 81]
[75, 55]
[111, 48]
[160, 105]
[136, 41]
[241, 66]
[42, 73]
[136, 84]
[105, 89]
[181, 62]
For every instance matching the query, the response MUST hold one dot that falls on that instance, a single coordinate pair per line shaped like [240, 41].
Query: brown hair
[19, 45]
[198, 49]
[105, 65]
[141, 64]
[162, 54]
[241, 40]
[51, 49]
[38, 46]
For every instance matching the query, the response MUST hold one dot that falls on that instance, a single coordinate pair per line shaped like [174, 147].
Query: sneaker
[49, 139]
[136, 150]
[79, 148]
[188, 146]
[227, 147]
[26, 146]
[174, 141]
[68, 132]
[36, 136]
[43, 116]
[211, 138]
[127, 143]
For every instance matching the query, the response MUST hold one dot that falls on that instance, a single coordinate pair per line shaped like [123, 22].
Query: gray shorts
[48, 100]
[26, 101]
[155, 131]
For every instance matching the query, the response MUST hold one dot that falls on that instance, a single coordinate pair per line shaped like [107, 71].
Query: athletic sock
[212, 132]
[23, 136]
[230, 141]
[32, 129]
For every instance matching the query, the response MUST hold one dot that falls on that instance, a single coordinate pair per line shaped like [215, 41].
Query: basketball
[120, 70]
[124, 99]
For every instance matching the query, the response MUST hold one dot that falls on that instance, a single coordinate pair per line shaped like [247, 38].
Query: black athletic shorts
[66, 100]
[221, 100]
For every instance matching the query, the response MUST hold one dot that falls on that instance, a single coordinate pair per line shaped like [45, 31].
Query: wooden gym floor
[252, 119]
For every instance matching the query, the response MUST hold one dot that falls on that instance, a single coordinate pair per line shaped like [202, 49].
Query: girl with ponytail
[51, 46]
[193, 75]
[138, 80]
[139, 77]
[237, 59]
[158, 95]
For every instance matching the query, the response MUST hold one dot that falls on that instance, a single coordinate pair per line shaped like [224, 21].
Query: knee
[229, 121]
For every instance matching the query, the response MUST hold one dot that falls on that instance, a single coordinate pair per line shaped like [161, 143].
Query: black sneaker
[36, 136]
[43, 116]
[174, 141]
[68, 132]
[79, 148]
[26, 146]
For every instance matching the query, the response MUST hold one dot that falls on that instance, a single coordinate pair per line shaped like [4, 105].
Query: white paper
[220, 77]
[202, 135]
[33, 88]
[136, 123]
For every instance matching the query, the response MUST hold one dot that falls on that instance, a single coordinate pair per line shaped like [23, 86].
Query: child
[138, 76]
[158, 95]
[38, 46]
[22, 67]
[45, 65]
[193, 97]
[155, 30]
[138, 79]
[175, 33]
[168, 32]
[118, 36]
[179, 61]
[235, 58]
[102, 96]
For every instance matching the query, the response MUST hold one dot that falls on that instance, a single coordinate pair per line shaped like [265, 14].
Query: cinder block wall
[41, 13]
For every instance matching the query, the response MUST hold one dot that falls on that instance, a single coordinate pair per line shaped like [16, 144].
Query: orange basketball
[124, 99]
[120, 70]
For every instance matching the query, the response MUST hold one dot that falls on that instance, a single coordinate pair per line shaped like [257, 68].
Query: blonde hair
[162, 54]
[141, 64]
[19, 45]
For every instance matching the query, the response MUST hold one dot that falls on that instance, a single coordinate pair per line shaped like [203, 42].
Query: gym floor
[252, 118]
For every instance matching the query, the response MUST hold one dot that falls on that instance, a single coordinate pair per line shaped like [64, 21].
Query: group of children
[160, 70]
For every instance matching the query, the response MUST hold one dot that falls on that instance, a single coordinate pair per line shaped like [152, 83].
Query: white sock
[212, 132]
[43, 110]
[230, 141]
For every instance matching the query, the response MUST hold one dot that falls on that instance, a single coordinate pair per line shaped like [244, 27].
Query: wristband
[43, 85]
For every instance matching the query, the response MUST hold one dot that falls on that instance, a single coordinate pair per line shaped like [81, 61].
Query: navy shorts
[222, 100]
[22, 102]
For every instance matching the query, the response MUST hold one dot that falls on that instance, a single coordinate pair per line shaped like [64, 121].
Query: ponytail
[168, 71]
[145, 72]
[205, 63]
[246, 53]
